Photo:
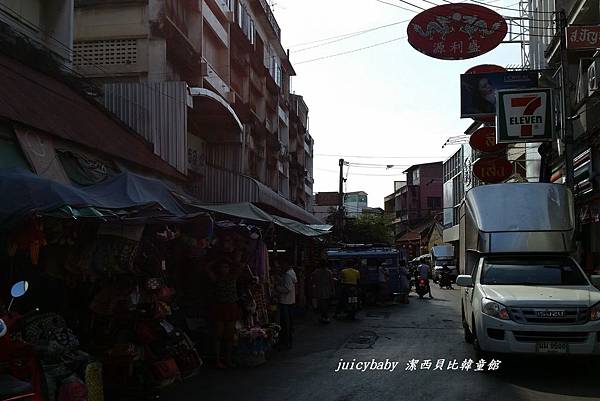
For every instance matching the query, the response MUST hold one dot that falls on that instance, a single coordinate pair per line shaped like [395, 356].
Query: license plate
[552, 347]
[353, 300]
[551, 313]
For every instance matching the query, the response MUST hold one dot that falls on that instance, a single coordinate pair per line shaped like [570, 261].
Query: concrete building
[207, 82]
[47, 24]
[421, 197]
[355, 204]
[49, 124]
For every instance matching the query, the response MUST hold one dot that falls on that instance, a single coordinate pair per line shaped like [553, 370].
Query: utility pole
[566, 121]
[341, 211]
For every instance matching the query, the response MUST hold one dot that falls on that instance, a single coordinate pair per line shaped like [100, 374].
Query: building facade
[207, 82]
[582, 111]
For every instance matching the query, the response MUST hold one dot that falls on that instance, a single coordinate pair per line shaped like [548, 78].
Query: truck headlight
[595, 312]
[494, 309]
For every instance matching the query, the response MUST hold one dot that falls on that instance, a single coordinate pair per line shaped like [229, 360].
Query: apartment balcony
[266, 16]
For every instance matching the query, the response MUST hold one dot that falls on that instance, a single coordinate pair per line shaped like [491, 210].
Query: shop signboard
[478, 91]
[583, 37]
[484, 140]
[456, 31]
[492, 170]
[524, 115]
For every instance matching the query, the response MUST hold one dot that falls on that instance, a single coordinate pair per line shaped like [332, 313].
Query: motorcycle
[20, 375]
[421, 287]
[44, 355]
[445, 281]
[352, 302]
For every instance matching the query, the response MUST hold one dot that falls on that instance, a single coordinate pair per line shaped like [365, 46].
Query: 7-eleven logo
[525, 114]
[529, 104]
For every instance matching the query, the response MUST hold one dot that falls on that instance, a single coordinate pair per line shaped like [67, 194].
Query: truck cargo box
[515, 218]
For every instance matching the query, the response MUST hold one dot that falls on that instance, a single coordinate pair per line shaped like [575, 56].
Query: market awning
[126, 195]
[132, 190]
[245, 210]
[27, 194]
[248, 211]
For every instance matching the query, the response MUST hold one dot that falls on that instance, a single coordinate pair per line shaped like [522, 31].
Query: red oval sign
[484, 140]
[485, 69]
[456, 31]
[492, 170]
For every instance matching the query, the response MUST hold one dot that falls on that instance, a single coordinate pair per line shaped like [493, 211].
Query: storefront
[127, 265]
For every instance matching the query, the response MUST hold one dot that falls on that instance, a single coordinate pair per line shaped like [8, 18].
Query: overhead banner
[456, 31]
[524, 116]
[583, 37]
[478, 91]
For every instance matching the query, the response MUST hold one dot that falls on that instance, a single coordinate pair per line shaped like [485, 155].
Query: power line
[351, 51]
[377, 157]
[350, 34]
[489, 12]
[395, 5]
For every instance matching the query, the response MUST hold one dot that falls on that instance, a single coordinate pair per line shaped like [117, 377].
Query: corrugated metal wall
[221, 186]
[225, 155]
[157, 111]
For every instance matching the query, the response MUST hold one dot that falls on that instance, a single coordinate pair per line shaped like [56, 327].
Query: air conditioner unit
[593, 77]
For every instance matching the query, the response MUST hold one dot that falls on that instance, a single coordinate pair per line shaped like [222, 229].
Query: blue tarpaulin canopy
[128, 190]
[124, 196]
[24, 193]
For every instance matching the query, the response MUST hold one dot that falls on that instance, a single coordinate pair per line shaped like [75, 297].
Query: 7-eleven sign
[524, 115]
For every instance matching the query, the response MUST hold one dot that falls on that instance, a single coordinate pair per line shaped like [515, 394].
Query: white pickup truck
[530, 304]
[521, 290]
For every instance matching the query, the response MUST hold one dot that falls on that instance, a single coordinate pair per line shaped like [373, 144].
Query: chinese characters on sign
[443, 364]
[583, 37]
[413, 365]
[456, 31]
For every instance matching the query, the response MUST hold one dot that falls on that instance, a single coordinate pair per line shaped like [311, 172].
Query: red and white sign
[484, 140]
[583, 37]
[456, 31]
[492, 170]
[524, 115]
[485, 69]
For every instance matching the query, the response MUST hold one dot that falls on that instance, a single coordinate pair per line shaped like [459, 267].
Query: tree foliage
[368, 229]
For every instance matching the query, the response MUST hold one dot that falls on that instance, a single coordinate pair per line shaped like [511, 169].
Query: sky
[386, 105]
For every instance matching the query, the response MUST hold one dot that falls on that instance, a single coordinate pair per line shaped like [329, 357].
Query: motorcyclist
[349, 277]
[424, 271]
[445, 278]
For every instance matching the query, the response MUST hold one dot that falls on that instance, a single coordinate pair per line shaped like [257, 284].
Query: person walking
[424, 272]
[286, 289]
[322, 286]
[224, 310]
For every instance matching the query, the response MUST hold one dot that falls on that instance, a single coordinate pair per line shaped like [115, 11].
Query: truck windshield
[531, 271]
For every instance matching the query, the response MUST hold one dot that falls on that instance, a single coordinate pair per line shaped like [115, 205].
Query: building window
[434, 202]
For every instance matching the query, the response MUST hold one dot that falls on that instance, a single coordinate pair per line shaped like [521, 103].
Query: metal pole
[341, 201]
[566, 122]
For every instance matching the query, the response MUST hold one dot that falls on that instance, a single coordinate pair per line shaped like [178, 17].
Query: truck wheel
[468, 334]
[479, 353]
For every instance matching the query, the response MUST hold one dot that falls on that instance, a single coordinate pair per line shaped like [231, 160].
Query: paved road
[424, 329]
